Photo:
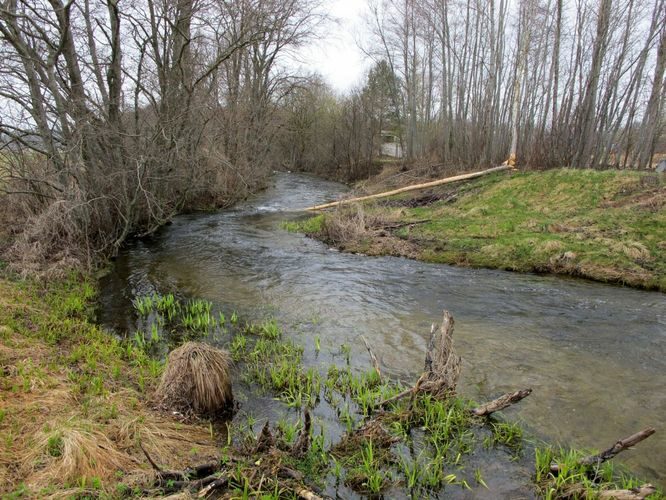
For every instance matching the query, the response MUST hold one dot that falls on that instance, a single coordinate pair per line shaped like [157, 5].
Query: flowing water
[594, 355]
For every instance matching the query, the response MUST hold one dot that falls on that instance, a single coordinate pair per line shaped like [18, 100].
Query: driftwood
[581, 491]
[414, 187]
[618, 447]
[441, 368]
[219, 483]
[442, 365]
[307, 494]
[501, 402]
[633, 494]
[373, 358]
[302, 443]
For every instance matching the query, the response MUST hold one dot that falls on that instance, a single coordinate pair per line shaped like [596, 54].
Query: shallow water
[595, 355]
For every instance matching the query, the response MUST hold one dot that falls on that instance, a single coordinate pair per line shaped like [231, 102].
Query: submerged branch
[501, 402]
[618, 447]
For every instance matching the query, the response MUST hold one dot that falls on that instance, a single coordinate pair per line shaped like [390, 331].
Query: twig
[150, 460]
[413, 223]
[373, 358]
[397, 397]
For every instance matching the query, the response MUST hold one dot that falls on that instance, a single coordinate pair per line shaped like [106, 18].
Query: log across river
[594, 355]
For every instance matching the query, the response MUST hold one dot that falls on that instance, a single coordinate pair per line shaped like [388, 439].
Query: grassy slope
[608, 226]
[74, 400]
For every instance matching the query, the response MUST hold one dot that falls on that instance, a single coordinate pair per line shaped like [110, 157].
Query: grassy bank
[77, 407]
[75, 400]
[608, 226]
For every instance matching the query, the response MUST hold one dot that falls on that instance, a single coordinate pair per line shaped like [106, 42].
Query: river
[595, 355]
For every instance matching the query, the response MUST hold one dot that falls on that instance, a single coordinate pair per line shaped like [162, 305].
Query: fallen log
[501, 402]
[638, 493]
[618, 447]
[414, 187]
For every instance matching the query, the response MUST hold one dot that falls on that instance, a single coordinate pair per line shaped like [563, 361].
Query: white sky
[337, 56]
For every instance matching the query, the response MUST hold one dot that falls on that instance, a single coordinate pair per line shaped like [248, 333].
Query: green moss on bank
[608, 226]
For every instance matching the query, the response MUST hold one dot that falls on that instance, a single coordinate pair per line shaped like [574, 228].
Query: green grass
[309, 226]
[579, 481]
[608, 226]
[419, 446]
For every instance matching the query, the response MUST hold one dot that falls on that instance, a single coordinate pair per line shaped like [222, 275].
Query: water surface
[595, 355]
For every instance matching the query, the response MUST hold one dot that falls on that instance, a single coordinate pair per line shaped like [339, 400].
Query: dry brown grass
[54, 439]
[165, 440]
[551, 246]
[72, 451]
[353, 223]
[197, 380]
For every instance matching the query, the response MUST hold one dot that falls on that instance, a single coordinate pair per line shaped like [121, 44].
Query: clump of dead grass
[197, 380]
[69, 452]
[551, 246]
[634, 250]
[350, 224]
[163, 439]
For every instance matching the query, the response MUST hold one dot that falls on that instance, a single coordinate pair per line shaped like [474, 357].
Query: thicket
[117, 116]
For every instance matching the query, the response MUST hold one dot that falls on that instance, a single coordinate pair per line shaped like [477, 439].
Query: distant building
[661, 167]
[390, 144]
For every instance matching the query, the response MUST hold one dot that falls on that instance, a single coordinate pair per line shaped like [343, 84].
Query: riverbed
[594, 355]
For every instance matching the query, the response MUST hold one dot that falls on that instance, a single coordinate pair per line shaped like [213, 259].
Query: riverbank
[608, 226]
[75, 400]
[76, 415]
[76, 412]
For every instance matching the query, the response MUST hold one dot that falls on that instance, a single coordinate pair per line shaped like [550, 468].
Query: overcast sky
[337, 56]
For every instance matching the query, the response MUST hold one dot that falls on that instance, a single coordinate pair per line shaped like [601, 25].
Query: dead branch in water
[415, 187]
[441, 367]
[618, 447]
[501, 402]
[581, 491]
[373, 358]
[638, 493]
